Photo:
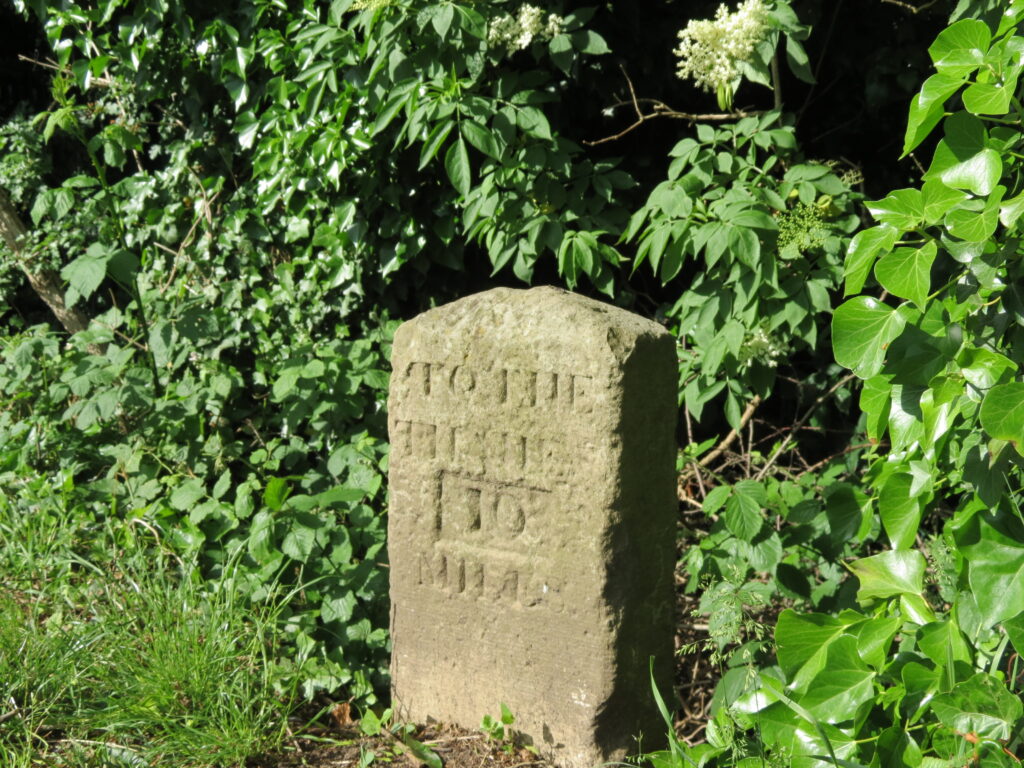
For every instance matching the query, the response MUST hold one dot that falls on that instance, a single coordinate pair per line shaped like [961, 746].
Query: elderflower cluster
[801, 229]
[514, 33]
[761, 346]
[710, 51]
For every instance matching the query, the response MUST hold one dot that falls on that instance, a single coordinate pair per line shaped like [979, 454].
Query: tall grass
[115, 653]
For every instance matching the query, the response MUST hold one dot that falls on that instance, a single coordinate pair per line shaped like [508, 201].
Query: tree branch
[103, 82]
[911, 8]
[46, 283]
[661, 109]
[731, 437]
[800, 422]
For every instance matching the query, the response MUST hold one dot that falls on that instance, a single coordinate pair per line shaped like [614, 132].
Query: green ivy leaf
[960, 48]
[973, 225]
[927, 108]
[938, 199]
[921, 122]
[1011, 210]
[962, 160]
[890, 573]
[874, 402]
[843, 684]
[802, 640]
[905, 272]
[863, 249]
[980, 705]
[994, 547]
[989, 98]
[874, 637]
[899, 510]
[983, 369]
[942, 641]
[1014, 627]
[1002, 414]
[906, 425]
[897, 749]
[902, 208]
[862, 329]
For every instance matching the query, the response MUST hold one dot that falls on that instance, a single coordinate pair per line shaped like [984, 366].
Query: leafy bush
[246, 193]
[926, 671]
[227, 208]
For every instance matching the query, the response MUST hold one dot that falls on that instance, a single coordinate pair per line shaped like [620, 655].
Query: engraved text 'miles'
[530, 523]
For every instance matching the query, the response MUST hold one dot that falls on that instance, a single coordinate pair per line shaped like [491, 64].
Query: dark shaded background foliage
[230, 390]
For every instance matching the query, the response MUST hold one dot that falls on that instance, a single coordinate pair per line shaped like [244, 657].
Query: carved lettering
[477, 510]
[479, 575]
[500, 386]
[497, 454]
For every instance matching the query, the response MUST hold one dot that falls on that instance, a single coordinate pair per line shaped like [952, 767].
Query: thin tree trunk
[47, 282]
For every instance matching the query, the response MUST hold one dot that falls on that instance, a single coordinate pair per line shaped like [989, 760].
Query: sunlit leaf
[889, 574]
[862, 329]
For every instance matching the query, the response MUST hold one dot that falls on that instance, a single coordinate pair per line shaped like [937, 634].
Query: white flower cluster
[710, 51]
[760, 345]
[514, 33]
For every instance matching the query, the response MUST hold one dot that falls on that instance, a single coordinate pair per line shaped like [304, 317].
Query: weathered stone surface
[531, 528]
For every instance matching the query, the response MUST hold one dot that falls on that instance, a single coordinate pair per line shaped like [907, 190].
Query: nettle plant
[927, 671]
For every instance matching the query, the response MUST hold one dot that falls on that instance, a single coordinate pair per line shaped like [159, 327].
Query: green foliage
[112, 652]
[373, 725]
[240, 197]
[924, 670]
[244, 193]
[739, 204]
[499, 729]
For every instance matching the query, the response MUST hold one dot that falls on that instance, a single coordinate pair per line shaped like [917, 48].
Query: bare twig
[52, 65]
[661, 109]
[693, 463]
[800, 422]
[911, 8]
[686, 498]
[733, 434]
[827, 459]
[191, 234]
[750, 443]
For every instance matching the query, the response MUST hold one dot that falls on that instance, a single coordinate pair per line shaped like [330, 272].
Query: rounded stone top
[545, 321]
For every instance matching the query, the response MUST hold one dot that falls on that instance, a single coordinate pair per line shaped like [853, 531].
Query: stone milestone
[531, 528]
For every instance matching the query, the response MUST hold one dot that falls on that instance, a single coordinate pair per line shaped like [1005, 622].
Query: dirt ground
[456, 748]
